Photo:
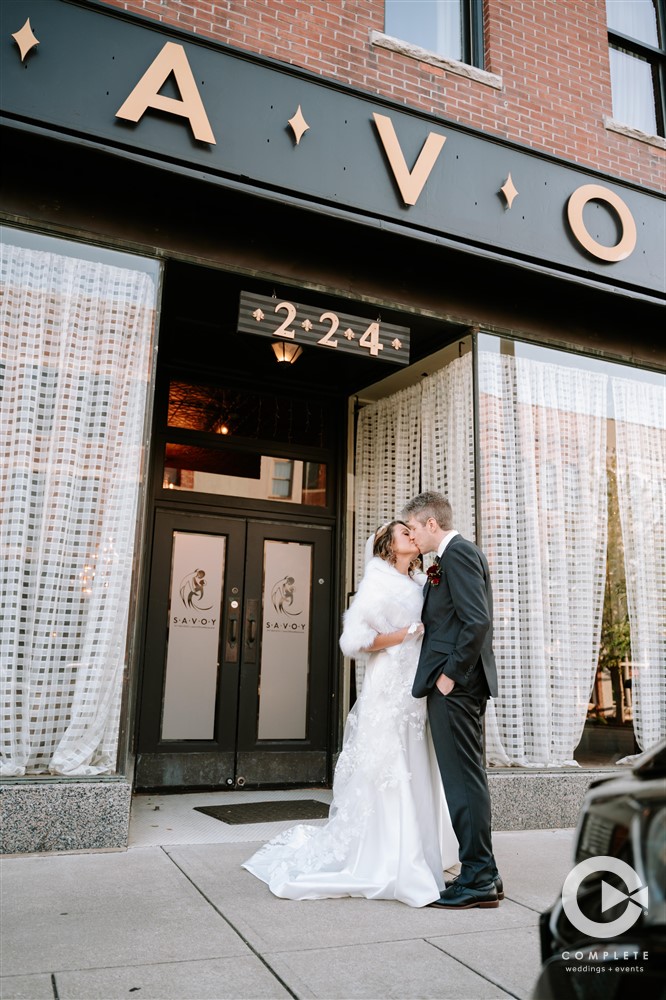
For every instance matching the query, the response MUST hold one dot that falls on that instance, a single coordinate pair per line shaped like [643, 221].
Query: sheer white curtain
[388, 458]
[544, 516]
[421, 438]
[77, 339]
[387, 470]
[636, 18]
[447, 421]
[633, 91]
[640, 415]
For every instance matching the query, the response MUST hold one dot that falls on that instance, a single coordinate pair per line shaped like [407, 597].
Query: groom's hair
[430, 504]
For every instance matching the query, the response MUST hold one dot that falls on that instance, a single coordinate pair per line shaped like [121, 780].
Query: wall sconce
[286, 350]
[221, 426]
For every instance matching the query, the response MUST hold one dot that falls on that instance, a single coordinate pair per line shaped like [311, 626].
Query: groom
[456, 672]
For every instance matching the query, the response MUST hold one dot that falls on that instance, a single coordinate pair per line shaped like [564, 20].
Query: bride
[388, 835]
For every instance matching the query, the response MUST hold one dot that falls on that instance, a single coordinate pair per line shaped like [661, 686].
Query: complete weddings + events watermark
[620, 956]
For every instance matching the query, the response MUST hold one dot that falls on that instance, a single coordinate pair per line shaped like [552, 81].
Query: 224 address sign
[317, 326]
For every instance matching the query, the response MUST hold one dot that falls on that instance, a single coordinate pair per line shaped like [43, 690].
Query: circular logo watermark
[636, 898]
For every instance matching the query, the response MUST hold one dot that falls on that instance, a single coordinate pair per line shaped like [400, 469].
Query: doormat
[267, 812]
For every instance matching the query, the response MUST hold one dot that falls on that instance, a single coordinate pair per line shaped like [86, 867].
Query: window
[282, 476]
[450, 28]
[221, 440]
[636, 33]
[241, 413]
[192, 467]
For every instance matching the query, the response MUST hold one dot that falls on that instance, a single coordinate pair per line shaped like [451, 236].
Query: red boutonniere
[434, 574]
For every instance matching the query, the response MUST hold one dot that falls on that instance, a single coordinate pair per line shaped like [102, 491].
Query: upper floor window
[450, 28]
[636, 37]
[283, 472]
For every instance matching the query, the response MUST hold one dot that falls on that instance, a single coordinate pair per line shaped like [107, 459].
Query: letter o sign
[575, 206]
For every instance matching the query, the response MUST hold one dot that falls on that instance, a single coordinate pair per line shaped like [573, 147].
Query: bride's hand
[416, 629]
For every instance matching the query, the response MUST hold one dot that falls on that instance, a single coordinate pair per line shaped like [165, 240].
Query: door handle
[251, 619]
[231, 652]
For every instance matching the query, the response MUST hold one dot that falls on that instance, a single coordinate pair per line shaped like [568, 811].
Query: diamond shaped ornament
[25, 39]
[509, 191]
[298, 125]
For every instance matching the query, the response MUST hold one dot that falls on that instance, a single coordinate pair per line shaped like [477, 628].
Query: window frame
[655, 56]
[472, 33]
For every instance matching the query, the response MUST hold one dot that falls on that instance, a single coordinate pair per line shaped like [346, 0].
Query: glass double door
[237, 657]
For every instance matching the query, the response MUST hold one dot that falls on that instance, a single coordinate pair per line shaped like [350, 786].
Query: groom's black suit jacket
[458, 619]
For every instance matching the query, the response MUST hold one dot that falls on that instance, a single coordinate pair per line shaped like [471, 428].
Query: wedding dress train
[388, 835]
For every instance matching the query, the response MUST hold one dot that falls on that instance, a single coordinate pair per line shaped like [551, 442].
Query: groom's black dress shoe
[464, 897]
[499, 885]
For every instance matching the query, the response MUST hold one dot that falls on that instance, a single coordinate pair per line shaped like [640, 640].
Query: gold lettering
[575, 206]
[171, 59]
[411, 183]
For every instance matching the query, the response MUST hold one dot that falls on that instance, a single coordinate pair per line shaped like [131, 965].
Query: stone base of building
[44, 816]
[534, 800]
[50, 816]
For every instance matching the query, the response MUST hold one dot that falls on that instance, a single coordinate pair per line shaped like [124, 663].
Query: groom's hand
[444, 684]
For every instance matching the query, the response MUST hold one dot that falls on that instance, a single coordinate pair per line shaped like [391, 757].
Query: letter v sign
[410, 183]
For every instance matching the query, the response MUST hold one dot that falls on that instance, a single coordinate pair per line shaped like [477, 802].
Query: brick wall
[551, 55]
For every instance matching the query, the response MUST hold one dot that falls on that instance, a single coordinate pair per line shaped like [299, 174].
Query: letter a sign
[171, 59]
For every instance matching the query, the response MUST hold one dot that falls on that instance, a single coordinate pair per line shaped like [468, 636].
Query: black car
[606, 936]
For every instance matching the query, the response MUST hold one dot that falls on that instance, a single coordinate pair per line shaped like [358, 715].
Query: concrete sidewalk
[183, 921]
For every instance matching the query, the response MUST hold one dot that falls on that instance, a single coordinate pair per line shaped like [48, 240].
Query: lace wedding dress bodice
[388, 835]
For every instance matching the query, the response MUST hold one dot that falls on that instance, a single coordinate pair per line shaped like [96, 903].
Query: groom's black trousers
[457, 733]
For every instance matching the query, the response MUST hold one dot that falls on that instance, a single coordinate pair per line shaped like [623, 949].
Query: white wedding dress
[388, 835]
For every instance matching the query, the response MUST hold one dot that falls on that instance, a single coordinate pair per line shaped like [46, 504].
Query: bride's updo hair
[383, 545]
